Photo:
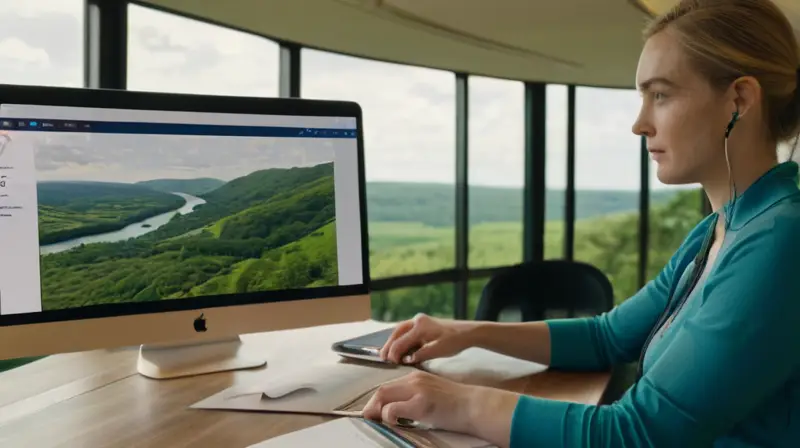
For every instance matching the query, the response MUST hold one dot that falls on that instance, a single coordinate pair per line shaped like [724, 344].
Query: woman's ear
[746, 92]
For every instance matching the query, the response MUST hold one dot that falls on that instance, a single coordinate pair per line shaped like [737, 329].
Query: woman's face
[682, 117]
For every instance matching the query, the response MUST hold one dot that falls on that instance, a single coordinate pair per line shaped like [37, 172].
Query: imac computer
[176, 223]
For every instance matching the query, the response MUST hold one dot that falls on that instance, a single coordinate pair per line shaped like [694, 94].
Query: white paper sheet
[343, 432]
[319, 388]
[354, 433]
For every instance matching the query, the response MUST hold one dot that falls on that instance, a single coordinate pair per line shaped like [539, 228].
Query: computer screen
[111, 211]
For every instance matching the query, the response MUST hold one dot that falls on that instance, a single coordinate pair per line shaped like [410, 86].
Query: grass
[318, 246]
[402, 248]
[608, 242]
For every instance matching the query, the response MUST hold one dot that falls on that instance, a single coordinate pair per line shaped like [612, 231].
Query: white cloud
[556, 136]
[18, 55]
[409, 112]
[169, 53]
[496, 132]
[36, 8]
[41, 42]
[607, 152]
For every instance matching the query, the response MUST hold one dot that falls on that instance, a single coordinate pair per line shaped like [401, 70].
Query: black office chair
[539, 288]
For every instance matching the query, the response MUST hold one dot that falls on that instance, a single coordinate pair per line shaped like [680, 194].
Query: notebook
[356, 433]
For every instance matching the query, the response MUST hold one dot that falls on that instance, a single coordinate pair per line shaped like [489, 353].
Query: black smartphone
[367, 347]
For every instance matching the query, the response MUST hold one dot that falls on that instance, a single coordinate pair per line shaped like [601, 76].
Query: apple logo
[200, 324]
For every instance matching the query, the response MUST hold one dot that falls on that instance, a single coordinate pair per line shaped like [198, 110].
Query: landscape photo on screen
[137, 217]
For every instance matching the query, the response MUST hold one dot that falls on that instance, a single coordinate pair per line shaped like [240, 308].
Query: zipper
[669, 311]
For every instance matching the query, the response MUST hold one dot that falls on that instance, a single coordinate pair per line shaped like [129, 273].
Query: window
[607, 179]
[41, 42]
[401, 304]
[409, 127]
[169, 53]
[555, 170]
[674, 211]
[496, 171]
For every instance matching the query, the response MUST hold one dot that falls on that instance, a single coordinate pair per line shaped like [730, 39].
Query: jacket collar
[773, 186]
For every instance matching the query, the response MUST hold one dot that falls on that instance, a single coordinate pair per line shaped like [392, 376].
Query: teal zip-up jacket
[724, 373]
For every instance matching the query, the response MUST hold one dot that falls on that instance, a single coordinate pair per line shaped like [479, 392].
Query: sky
[129, 158]
[409, 112]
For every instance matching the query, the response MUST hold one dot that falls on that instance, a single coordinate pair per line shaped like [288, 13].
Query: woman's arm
[735, 352]
[594, 343]
[529, 341]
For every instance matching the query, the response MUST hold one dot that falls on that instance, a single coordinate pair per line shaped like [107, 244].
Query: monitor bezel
[183, 102]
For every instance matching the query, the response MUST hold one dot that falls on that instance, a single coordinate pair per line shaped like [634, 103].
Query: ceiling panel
[528, 40]
[590, 42]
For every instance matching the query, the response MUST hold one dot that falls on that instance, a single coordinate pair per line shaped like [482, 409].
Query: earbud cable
[732, 184]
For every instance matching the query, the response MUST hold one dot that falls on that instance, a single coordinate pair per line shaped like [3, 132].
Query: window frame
[105, 63]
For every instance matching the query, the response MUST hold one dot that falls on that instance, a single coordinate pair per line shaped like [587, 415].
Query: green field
[608, 239]
[271, 229]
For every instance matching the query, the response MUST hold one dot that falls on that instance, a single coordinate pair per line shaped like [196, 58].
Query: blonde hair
[728, 39]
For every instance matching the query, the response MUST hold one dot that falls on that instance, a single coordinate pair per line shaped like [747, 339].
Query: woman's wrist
[489, 414]
[478, 334]
[529, 341]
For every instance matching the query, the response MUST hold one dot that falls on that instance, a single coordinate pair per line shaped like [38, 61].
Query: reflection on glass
[409, 127]
[169, 53]
[496, 171]
[400, 304]
[555, 170]
[674, 211]
[607, 179]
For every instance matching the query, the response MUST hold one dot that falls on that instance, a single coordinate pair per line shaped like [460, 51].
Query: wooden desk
[97, 399]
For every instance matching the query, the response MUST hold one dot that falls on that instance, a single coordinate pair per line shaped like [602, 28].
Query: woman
[719, 81]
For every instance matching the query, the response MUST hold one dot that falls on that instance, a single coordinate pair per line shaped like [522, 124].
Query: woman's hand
[422, 397]
[432, 400]
[423, 338]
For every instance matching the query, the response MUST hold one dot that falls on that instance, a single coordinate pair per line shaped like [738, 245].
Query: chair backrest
[538, 287]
